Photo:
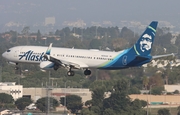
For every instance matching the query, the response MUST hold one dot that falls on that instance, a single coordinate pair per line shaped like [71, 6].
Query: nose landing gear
[71, 73]
[16, 67]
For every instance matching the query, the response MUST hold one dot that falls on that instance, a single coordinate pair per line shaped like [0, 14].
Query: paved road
[162, 106]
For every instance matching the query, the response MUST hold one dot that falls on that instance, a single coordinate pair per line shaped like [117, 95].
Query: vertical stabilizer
[144, 45]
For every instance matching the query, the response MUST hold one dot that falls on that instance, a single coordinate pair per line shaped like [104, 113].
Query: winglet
[48, 52]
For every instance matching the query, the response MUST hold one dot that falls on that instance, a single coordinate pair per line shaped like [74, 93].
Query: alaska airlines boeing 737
[54, 57]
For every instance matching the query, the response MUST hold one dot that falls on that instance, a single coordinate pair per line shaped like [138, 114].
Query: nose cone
[4, 55]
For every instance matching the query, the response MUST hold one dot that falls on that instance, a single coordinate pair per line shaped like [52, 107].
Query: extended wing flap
[68, 63]
[74, 64]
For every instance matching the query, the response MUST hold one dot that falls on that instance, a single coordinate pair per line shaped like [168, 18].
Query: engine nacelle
[46, 65]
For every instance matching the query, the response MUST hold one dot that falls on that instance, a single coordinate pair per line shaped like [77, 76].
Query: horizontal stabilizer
[160, 56]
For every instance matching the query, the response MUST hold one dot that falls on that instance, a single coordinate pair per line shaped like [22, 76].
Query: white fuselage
[84, 58]
[53, 57]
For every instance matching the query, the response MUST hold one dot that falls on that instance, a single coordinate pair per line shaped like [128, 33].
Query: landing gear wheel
[87, 72]
[70, 73]
[16, 68]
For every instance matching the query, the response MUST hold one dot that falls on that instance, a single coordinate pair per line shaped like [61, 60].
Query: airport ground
[156, 102]
[153, 110]
[158, 99]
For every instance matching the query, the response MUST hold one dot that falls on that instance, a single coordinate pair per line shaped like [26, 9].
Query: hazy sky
[34, 11]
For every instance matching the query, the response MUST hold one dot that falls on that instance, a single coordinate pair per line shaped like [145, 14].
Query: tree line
[117, 102]
[93, 37]
[98, 38]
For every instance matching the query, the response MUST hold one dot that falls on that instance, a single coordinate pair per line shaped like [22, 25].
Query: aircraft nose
[4, 55]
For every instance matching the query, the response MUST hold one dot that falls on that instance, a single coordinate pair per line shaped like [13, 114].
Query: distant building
[163, 63]
[12, 89]
[36, 93]
[171, 88]
[50, 21]
[76, 35]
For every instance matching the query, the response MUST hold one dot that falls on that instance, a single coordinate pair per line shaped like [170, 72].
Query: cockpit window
[8, 50]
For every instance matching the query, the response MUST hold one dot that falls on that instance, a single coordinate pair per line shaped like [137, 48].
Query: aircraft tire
[87, 72]
[16, 68]
[70, 73]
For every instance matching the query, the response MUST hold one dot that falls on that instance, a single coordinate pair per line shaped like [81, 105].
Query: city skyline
[89, 13]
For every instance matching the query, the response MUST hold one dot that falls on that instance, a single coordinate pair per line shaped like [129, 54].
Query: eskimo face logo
[145, 43]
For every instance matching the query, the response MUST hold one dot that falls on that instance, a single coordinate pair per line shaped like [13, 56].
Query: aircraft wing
[68, 63]
[160, 56]
[64, 63]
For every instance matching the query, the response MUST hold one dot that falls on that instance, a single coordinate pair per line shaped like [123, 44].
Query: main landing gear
[71, 73]
[87, 72]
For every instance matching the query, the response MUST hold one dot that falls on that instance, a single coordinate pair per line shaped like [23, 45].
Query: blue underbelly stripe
[114, 60]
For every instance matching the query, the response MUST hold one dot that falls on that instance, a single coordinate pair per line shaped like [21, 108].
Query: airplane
[55, 57]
